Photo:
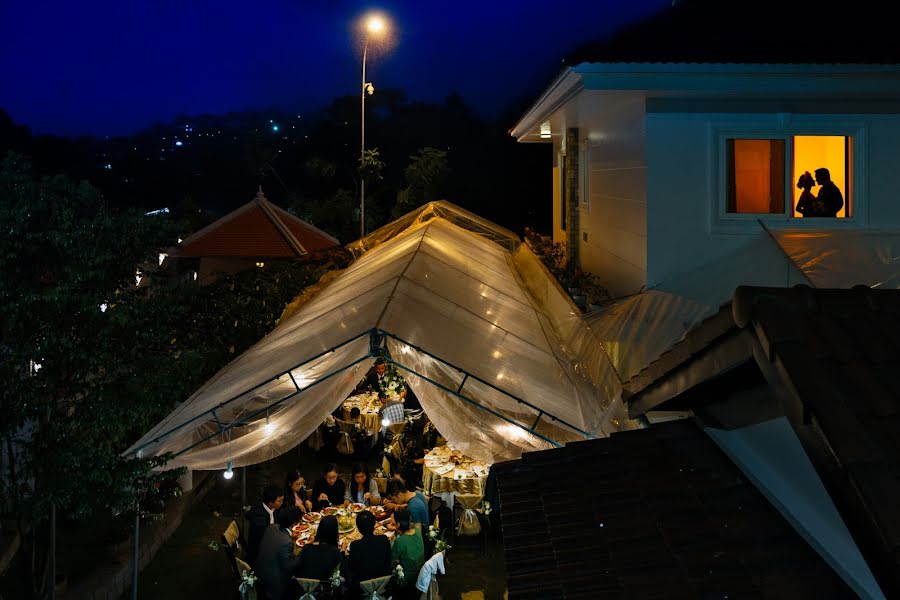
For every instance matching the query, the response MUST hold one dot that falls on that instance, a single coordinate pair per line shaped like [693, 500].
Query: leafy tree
[426, 176]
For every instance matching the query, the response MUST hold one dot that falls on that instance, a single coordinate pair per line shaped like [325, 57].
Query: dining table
[448, 472]
[304, 532]
[369, 408]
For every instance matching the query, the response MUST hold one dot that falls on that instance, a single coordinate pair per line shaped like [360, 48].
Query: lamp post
[374, 25]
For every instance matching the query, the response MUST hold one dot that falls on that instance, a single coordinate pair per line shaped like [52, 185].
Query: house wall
[558, 233]
[684, 191]
[614, 210]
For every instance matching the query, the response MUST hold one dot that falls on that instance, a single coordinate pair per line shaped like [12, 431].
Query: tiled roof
[257, 229]
[833, 357]
[838, 354]
[765, 31]
[653, 513]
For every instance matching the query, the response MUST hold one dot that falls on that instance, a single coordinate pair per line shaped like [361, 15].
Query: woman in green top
[408, 550]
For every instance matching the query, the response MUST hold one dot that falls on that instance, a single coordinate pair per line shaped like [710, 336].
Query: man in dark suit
[259, 517]
[829, 196]
[276, 563]
[370, 557]
[373, 377]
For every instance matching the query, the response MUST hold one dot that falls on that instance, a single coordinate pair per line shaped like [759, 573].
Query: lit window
[757, 171]
[260, 264]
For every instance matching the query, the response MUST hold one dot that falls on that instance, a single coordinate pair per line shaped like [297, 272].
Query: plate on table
[358, 506]
[312, 517]
[329, 510]
[300, 527]
[300, 542]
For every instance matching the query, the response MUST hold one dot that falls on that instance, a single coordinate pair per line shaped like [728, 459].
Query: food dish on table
[346, 524]
[357, 506]
[311, 517]
[329, 510]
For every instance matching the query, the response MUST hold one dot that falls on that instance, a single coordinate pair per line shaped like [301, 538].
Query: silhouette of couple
[827, 203]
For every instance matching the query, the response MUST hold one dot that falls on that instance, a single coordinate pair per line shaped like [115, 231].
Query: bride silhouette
[807, 205]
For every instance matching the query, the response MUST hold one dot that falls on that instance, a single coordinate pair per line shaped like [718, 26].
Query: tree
[426, 175]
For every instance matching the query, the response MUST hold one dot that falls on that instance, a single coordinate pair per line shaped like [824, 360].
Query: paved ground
[187, 568]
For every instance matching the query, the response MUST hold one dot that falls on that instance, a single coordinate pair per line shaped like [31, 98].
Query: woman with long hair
[319, 559]
[362, 488]
[295, 492]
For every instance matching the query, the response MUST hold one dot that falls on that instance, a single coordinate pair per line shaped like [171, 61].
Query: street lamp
[375, 25]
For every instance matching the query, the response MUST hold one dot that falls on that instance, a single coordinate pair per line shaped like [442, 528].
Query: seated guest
[409, 551]
[295, 492]
[362, 488]
[391, 412]
[370, 557]
[276, 563]
[319, 559]
[398, 497]
[260, 516]
[329, 490]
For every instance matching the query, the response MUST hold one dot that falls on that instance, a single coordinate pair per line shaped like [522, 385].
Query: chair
[429, 573]
[345, 442]
[375, 589]
[232, 543]
[307, 587]
[248, 592]
[467, 522]
[317, 440]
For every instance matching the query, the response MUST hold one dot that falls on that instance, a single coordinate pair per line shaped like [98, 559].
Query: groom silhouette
[829, 196]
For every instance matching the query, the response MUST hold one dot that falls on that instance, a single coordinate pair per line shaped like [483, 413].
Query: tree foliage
[426, 178]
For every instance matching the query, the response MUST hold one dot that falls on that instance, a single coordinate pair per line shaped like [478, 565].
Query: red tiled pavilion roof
[257, 229]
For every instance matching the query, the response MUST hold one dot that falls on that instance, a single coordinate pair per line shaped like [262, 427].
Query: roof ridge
[214, 225]
[280, 226]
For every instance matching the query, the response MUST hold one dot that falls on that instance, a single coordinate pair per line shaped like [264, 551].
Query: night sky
[110, 67]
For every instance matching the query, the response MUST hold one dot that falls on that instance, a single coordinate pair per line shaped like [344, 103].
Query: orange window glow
[832, 152]
[755, 176]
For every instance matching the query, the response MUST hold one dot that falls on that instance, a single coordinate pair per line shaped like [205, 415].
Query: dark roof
[834, 358]
[764, 31]
[653, 513]
[257, 229]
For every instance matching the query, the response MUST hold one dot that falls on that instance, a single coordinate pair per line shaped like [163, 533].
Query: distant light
[108, 167]
[179, 143]
[229, 471]
[260, 264]
[35, 367]
[195, 275]
[158, 211]
[103, 307]
[179, 241]
[137, 277]
[274, 127]
[162, 257]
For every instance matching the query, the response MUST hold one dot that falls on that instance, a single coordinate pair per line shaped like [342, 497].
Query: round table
[448, 472]
[304, 532]
[369, 407]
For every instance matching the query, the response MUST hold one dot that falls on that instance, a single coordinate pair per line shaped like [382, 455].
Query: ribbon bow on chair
[375, 589]
[469, 524]
[307, 586]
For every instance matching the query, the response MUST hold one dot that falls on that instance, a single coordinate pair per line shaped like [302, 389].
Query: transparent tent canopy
[470, 316]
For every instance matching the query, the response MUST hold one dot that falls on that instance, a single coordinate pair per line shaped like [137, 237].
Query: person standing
[409, 551]
[806, 204]
[830, 197]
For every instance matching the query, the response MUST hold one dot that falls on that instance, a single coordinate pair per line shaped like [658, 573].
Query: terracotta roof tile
[258, 229]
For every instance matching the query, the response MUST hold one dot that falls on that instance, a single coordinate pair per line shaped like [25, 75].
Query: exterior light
[545, 131]
[260, 264]
[229, 471]
[375, 24]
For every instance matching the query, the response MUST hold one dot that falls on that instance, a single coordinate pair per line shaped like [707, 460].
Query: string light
[229, 471]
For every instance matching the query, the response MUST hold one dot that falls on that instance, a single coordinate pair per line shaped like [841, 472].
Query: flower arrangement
[248, 581]
[214, 546]
[398, 572]
[336, 580]
[485, 508]
[392, 383]
[379, 472]
[435, 535]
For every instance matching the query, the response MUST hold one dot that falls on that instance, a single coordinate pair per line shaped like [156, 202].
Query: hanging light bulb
[269, 427]
[385, 421]
[229, 472]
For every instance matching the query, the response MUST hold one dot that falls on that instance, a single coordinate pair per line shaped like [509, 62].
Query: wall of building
[558, 233]
[614, 209]
[684, 189]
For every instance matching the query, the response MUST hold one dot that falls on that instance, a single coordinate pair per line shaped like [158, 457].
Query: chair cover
[397, 428]
[316, 440]
[381, 482]
[385, 466]
[375, 589]
[307, 586]
[469, 524]
[397, 448]
[345, 444]
[248, 592]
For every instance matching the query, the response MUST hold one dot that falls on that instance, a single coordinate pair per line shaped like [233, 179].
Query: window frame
[721, 221]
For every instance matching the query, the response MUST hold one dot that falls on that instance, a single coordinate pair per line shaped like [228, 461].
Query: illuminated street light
[375, 25]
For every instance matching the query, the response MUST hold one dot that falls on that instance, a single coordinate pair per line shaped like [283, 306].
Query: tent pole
[135, 557]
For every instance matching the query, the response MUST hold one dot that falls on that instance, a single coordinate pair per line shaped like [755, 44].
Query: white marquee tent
[471, 317]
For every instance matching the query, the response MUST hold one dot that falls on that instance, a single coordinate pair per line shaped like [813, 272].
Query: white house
[661, 168]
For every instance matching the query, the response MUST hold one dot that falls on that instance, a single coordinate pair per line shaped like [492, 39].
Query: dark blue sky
[113, 67]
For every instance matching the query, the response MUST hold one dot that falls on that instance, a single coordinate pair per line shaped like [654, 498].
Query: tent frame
[377, 348]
